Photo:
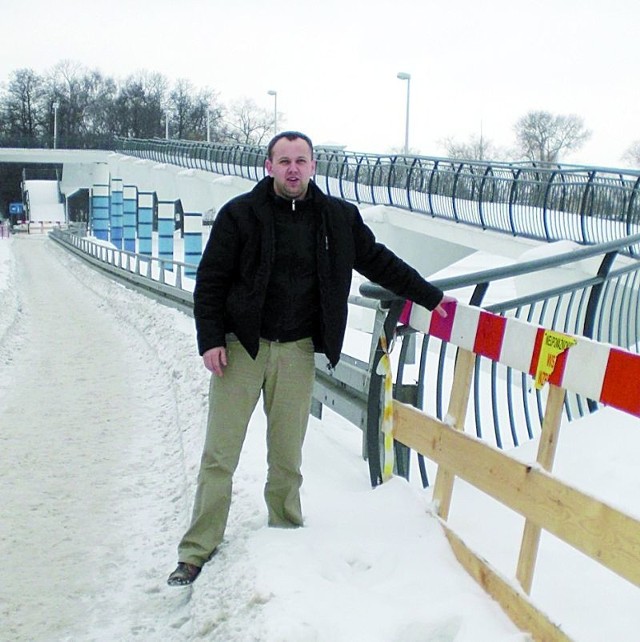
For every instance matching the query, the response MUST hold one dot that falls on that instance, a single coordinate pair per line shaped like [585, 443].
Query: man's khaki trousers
[284, 373]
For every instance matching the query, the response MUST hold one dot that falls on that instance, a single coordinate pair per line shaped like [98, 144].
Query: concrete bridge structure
[125, 198]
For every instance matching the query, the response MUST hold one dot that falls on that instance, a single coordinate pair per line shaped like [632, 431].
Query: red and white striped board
[598, 371]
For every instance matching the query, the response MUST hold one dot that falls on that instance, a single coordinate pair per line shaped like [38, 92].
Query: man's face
[291, 167]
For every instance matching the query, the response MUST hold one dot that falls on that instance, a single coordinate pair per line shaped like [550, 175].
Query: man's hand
[440, 308]
[215, 360]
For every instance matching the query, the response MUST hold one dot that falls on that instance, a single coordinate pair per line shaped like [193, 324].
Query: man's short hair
[290, 135]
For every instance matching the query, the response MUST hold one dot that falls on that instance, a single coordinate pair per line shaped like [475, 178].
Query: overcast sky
[474, 64]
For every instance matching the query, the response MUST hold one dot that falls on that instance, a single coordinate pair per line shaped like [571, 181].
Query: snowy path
[102, 415]
[80, 408]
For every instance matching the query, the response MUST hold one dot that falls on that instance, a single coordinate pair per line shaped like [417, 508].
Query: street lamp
[166, 124]
[208, 125]
[274, 93]
[55, 124]
[405, 76]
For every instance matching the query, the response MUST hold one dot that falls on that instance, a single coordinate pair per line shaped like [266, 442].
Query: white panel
[192, 223]
[518, 344]
[585, 368]
[145, 199]
[420, 318]
[166, 210]
[465, 326]
[130, 192]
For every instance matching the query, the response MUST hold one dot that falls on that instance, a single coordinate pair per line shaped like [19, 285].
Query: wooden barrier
[600, 531]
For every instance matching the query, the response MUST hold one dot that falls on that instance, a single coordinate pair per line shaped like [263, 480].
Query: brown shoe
[184, 574]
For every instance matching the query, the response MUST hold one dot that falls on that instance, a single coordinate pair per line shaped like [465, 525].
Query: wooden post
[456, 414]
[546, 455]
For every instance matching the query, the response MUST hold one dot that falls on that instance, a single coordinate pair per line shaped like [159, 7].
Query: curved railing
[600, 302]
[540, 201]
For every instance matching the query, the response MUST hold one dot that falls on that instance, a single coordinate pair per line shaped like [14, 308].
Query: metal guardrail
[146, 274]
[541, 201]
[506, 408]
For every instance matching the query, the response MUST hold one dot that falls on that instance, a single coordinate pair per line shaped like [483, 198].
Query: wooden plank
[591, 526]
[551, 427]
[456, 414]
[514, 603]
[546, 455]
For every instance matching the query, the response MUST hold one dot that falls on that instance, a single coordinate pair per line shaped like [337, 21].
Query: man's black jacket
[233, 274]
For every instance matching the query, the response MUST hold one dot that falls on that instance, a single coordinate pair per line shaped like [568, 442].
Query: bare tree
[180, 106]
[542, 136]
[65, 87]
[206, 111]
[138, 108]
[248, 124]
[632, 154]
[21, 103]
[85, 102]
[95, 103]
[188, 112]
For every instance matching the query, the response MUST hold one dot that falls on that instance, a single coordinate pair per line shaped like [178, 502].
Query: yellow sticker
[553, 344]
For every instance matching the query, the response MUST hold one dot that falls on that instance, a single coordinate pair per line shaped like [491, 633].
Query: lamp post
[166, 124]
[274, 93]
[208, 125]
[55, 124]
[405, 76]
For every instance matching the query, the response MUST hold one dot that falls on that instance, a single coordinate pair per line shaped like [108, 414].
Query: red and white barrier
[598, 371]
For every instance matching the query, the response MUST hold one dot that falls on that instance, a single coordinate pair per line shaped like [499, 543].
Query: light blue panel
[166, 228]
[145, 223]
[130, 215]
[116, 212]
[100, 212]
[192, 242]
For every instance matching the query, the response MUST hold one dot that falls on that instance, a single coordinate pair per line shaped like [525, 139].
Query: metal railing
[507, 410]
[161, 279]
[541, 201]
[506, 407]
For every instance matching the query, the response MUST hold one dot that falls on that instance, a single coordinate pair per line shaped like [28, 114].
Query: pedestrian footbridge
[542, 260]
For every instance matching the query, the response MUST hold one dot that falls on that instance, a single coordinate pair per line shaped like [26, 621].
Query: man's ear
[268, 165]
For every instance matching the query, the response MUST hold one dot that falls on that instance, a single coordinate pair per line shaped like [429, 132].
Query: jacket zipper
[326, 238]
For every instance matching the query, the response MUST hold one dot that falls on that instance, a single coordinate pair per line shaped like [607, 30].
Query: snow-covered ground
[102, 415]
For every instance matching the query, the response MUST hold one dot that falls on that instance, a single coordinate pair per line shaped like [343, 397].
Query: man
[272, 288]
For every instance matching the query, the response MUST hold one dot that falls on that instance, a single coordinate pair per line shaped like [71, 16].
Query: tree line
[86, 109]
[83, 108]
